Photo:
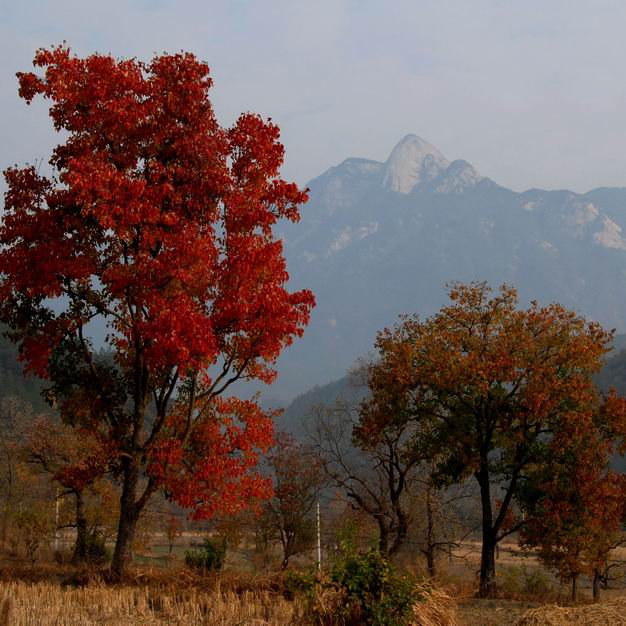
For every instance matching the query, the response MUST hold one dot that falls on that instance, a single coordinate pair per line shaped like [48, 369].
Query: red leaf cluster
[158, 221]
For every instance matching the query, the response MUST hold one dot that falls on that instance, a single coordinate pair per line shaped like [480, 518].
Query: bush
[209, 557]
[521, 582]
[376, 594]
[96, 550]
[362, 589]
[34, 530]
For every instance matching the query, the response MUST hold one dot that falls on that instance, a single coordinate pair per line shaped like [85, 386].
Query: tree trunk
[487, 566]
[574, 587]
[288, 544]
[130, 506]
[430, 532]
[129, 514]
[488, 553]
[80, 548]
[430, 561]
[383, 536]
[401, 533]
[596, 585]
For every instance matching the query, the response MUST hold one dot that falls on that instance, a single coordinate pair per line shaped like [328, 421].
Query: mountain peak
[412, 162]
[459, 176]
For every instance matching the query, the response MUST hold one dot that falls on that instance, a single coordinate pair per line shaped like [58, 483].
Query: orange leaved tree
[298, 478]
[76, 458]
[490, 385]
[576, 504]
[156, 222]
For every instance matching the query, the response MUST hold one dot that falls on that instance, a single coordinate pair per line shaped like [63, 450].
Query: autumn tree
[76, 459]
[157, 223]
[375, 470]
[13, 415]
[495, 384]
[576, 504]
[298, 478]
[26, 498]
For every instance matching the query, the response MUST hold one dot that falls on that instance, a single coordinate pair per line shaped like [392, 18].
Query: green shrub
[362, 589]
[297, 583]
[209, 557]
[376, 594]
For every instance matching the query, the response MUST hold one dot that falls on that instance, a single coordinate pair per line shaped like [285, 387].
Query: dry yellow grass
[611, 613]
[44, 603]
[437, 609]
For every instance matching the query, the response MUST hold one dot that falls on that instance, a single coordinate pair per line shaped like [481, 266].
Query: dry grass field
[173, 595]
[29, 604]
[45, 603]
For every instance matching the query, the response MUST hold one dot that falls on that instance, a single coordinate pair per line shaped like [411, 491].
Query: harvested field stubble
[611, 613]
[437, 608]
[44, 603]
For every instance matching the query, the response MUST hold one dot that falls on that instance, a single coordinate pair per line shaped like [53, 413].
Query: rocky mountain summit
[378, 239]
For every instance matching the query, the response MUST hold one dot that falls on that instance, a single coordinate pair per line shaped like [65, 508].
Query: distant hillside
[378, 239]
[12, 379]
[299, 411]
[614, 372]
[296, 415]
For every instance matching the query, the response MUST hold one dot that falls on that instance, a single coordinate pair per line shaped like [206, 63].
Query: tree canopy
[491, 385]
[157, 221]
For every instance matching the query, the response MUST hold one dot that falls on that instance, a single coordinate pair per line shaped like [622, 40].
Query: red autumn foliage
[158, 222]
[577, 502]
[74, 457]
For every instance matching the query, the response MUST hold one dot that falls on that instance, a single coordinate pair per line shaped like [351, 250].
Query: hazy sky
[531, 92]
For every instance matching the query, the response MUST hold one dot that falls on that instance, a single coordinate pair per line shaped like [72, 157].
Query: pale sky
[531, 92]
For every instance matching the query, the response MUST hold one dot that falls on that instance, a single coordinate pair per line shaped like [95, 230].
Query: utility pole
[319, 540]
[56, 521]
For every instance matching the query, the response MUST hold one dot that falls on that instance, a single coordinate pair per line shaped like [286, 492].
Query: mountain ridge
[370, 252]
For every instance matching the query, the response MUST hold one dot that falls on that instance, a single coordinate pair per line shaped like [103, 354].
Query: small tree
[76, 459]
[441, 516]
[375, 469]
[156, 221]
[173, 530]
[298, 478]
[34, 527]
[576, 507]
[14, 478]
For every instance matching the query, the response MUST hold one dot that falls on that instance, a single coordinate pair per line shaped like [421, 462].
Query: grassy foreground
[46, 603]
[183, 602]
[26, 604]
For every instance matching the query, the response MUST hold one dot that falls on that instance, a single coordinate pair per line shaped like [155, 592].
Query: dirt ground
[513, 568]
[522, 584]
[492, 612]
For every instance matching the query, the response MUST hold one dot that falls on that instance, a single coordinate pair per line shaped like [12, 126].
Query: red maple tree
[157, 221]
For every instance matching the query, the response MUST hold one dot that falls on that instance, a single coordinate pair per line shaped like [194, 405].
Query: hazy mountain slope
[379, 239]
[12, 380]
[300, 411]
[301, 408]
